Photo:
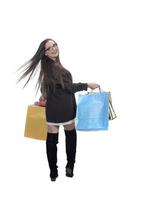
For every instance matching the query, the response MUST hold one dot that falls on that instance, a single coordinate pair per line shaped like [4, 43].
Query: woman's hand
[42, 98]
[93, 85]
[41, 102]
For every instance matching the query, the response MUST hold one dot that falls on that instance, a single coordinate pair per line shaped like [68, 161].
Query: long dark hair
[51, 72]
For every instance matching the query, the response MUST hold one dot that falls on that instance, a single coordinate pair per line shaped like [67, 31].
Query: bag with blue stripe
[92, 111]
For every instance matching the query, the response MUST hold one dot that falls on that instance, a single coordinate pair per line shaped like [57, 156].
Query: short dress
[61, 105]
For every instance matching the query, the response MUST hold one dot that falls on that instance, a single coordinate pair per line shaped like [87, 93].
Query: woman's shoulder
[66, 72]
[67, 76]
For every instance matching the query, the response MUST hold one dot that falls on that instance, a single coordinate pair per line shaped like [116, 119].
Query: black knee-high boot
[71, 143]
[51, 150]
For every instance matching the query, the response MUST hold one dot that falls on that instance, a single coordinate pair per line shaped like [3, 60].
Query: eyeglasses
[54, 45]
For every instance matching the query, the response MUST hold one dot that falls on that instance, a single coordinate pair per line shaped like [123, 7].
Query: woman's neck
[54, 59]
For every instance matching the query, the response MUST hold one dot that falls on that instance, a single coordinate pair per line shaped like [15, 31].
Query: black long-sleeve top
[61, 105]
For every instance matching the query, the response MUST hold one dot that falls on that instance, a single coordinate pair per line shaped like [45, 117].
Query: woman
[57, 88]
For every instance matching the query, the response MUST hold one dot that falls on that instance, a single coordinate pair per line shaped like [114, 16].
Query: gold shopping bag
[36, 126]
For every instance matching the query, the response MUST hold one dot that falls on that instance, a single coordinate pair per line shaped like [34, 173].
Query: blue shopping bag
[92, 112]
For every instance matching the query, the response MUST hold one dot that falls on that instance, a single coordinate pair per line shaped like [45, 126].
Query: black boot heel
[53, 178]
[69, 172]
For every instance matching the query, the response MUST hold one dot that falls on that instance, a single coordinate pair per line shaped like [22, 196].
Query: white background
[99, 41]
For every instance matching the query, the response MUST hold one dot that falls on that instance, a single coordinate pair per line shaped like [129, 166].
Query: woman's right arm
[75, 87]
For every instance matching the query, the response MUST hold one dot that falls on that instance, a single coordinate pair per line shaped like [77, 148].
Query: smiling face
[51, 49]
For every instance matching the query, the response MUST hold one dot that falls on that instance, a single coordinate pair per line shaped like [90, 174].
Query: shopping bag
[92, 111]
[112, 114]
[35, 126]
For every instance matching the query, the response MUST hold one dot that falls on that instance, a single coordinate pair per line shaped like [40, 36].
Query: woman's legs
[69, 127]
[52, 129]
[71, 143]
[51, 150]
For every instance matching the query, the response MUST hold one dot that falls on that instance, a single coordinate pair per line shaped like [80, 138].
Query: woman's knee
[52, 129]
[69, 127]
